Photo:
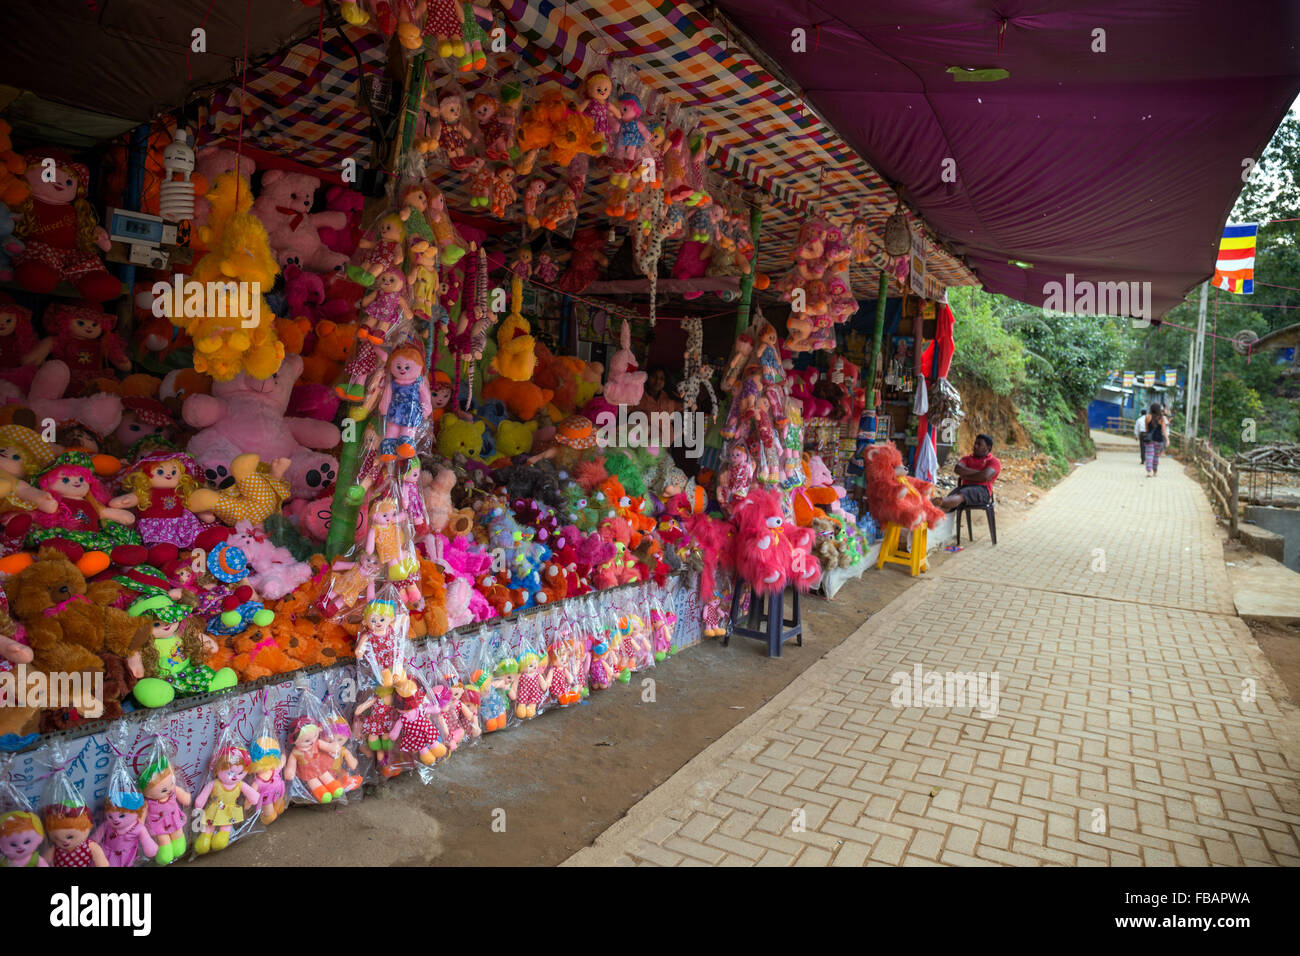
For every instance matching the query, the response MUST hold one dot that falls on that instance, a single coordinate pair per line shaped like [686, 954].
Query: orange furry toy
[894, 497]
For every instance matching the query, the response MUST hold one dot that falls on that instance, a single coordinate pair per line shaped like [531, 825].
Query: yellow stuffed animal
[516, 357]
[240, 253]
[257, 494]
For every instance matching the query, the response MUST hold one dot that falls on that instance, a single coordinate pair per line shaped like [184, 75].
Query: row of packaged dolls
[403, 708]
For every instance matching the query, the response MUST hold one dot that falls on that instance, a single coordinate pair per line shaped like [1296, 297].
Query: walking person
[1154, 437]
[1139, 432]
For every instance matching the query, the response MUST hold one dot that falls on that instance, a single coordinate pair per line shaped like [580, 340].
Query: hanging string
[1002, 34]
[1289, 288]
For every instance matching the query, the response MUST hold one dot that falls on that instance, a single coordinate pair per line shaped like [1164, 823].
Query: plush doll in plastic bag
[406, 403]
[420, 729]
[492, 683]
[390, 540]
[67, 819]
[382, 655]
[533, 682]
[333, 743]
[166, 794]
[564, 659]
[124, 835]
[663, 623]
[220, 816]
[21, 830]
[266, 761]
[309, 769]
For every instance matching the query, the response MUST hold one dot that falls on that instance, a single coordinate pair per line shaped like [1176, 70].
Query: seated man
[976, 472]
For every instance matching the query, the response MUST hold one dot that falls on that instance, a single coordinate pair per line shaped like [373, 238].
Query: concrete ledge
[1268, 543]
[1264, 590]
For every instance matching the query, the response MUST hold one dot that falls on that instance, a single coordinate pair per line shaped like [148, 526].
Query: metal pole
[1200, 357]
[747, 282]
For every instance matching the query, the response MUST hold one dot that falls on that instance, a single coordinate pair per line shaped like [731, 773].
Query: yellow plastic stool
[889, 553]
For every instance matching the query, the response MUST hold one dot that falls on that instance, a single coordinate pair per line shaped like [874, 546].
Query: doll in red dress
[83, 337]
[63, 235]
[21, 352]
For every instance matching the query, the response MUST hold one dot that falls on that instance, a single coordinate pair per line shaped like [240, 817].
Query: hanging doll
[381, 253]
[479, 182]
[164, 798]
[498, 129]
[157, 489]
[21, 836]
[631, 141]
[267, 762]
[406, 403]
[503, 191]
[423, 283]
[220, 799]
[560, 209]
[531, 687]
[532, 196]
[84, 339]
[123, 834]
[444, 21]
[449, 130]
[384, 306]
[420, 728]
[63, 235]
[308, 763]
[387, 540]
[333, 745]
[491, 689]
[360, 370]
[451, 247]
[69, 829]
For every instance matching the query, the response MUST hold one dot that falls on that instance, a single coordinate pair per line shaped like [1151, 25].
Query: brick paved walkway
[1124, 679]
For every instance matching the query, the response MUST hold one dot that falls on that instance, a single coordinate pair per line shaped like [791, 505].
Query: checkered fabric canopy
[759, 132]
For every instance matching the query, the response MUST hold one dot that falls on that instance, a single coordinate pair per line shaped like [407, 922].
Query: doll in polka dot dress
[530, 689]
[385, 306]
[381, 253]
[563, 675]
[420, 728]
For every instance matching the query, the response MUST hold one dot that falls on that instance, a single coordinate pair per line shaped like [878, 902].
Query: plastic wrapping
[420, 731]
[563, 658]
[266, 763]
[603, 667]
[492, 679]
[529, 694]
[383, 656]
[390, 542]
[309, 773]
[222, 813]
[22, 833]
[67, 819]
[663, 624]
[123, 835]
[166, 791]
[462, 714]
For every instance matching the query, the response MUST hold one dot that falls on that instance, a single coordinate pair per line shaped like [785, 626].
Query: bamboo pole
[878, 336]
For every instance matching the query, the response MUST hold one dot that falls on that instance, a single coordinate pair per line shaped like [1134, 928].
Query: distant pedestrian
[1154, 436]
[1139, 432]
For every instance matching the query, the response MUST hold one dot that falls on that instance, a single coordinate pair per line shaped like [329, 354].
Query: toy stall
[386, 375]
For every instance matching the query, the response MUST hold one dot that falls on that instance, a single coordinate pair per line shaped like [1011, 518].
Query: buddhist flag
[1235, 269]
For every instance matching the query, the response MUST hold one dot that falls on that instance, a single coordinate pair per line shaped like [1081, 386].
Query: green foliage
[1052, 365]
[985, 351]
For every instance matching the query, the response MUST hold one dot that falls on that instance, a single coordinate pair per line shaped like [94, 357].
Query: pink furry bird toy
[275, 571]
[894, 497]
[771, 552]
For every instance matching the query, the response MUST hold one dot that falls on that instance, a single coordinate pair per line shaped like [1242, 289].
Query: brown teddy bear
[73, 626]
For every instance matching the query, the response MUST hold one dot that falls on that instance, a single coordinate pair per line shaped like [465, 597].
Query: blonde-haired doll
[158, 488]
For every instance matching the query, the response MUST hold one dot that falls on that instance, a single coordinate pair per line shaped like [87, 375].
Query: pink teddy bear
[292, 228]
[247, 415]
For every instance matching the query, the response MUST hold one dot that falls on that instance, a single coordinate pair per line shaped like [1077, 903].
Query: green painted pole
[878, 337]
[747, 282]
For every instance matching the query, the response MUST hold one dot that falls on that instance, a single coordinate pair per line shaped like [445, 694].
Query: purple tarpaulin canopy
[1115, 166]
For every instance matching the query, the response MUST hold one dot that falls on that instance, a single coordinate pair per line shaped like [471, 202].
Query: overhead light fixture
[1020, 264]
[975, 74]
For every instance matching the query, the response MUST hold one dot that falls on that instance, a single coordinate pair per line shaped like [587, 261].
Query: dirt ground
[564, 778]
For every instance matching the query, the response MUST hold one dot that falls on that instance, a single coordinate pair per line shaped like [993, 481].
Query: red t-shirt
[979, 464]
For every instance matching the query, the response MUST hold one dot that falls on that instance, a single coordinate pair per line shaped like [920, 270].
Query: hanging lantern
[898, 236]
[176, 196]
